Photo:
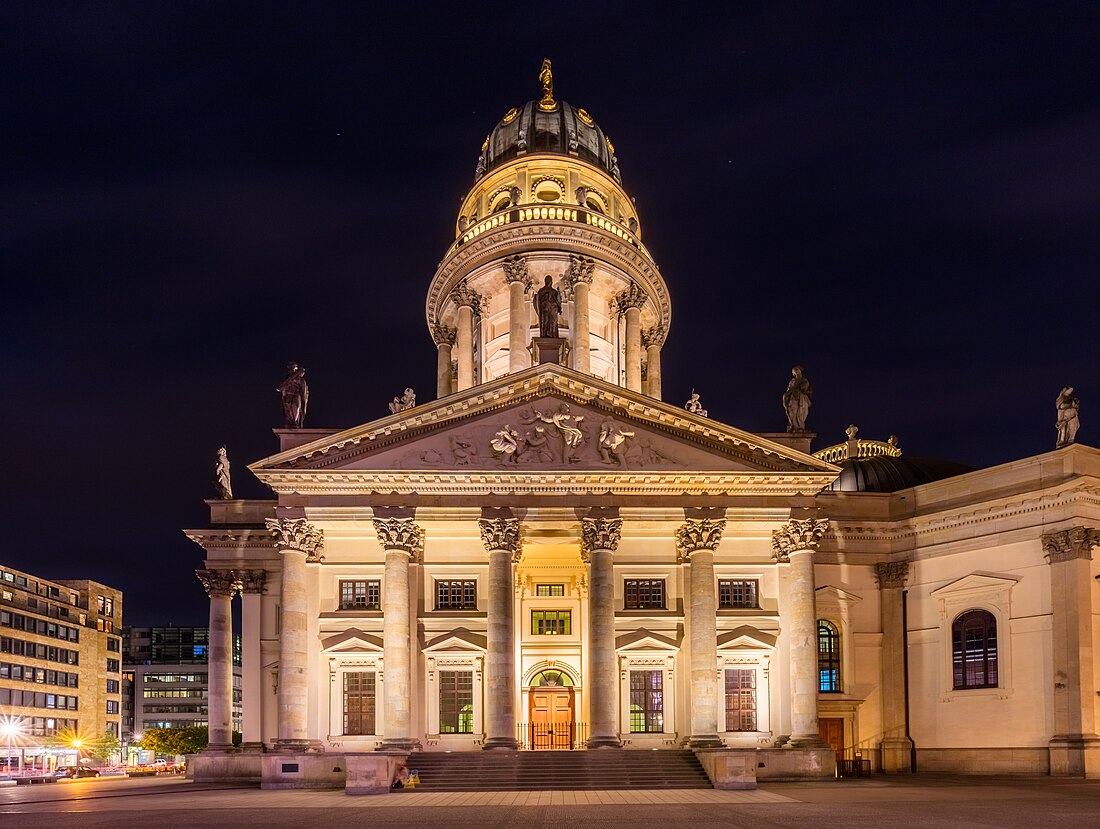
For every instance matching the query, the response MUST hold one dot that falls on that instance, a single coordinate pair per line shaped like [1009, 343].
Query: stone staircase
[494, 771]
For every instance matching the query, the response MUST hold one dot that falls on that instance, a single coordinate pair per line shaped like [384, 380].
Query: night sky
[906, 201]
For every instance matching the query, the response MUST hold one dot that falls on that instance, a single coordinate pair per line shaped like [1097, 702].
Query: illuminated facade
[548, 556]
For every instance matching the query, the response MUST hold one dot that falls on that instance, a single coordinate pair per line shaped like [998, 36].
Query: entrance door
[831, 730]
[551, 718]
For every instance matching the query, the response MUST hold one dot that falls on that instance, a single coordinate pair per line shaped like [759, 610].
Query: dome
[547, 126]
[889, 474]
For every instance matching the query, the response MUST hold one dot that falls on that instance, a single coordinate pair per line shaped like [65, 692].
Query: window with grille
[456, 702]
[740, 699]
[647, 702]
[359, 702]
[551, 622]
[974, 650]
[738, 593]
[828, 657]
[456, 594]
[361, 595]
[550, 590]
[642, 594]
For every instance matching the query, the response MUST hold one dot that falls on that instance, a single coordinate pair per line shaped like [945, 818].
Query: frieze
[501, 534]
[401, 534]
[1067, 545]
[797, 534]
[698, 534]
[599, 534]
[297, 534]
[892, 574]
[219, 582]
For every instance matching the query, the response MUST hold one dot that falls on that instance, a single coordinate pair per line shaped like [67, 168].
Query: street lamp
[10, 728]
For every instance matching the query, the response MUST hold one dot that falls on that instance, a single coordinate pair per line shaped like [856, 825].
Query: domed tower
[548, 201]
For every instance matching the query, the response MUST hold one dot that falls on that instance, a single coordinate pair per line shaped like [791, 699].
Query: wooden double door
[552, 721]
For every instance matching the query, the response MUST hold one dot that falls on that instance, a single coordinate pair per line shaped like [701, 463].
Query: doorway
[552, 722]
[831, 730]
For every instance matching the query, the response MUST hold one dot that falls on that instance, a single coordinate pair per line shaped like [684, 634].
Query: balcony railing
[551, 736]
[547, 212]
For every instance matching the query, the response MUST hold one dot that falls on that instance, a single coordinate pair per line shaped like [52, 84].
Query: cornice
[222, 539]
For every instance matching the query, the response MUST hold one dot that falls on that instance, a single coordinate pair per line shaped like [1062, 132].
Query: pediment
[459, 640]
[546, 419]
[352, 640]
[828, 593]
[644, 640]
[976, 582]
[746, 637]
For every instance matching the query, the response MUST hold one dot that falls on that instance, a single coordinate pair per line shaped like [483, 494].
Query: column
[252, 588]
[468, 303]
[599, 540]
[220, 586]
[795, 542]
[897, 748]
[298, 541]
[444, 341]
[581, 269]
[630, 304]
[502, 541]
[696, 541]
[402, 539]
[652, 339]
[1075, 746]
[519, 314]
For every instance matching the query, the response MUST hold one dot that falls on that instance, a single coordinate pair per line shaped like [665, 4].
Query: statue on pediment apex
[222, 482]
[295, 396]
[1069, 417]
[796, 400]
[694, 405]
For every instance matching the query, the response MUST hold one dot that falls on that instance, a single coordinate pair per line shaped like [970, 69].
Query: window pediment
[352, 640]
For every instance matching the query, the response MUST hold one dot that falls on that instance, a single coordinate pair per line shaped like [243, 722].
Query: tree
[173, 741]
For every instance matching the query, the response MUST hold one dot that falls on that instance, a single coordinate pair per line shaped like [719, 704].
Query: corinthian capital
[654, 336]
[463, 294]
[400, 534]
[581, 269]
[297, 534]
[599, 534]
[1066, 545]
[515, 270]
[632, 297]
[501, 534]
[797, 534]
[252, 581]
[698, 534]
[892, 573]
[443, 334]
[219, 582]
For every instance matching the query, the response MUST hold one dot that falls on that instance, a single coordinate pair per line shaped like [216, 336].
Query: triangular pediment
[544, 420]
[746, 637]
[352, 640]
[459, 640]
[647, 641]
[977, 582]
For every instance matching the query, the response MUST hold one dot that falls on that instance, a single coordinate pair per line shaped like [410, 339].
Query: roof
[890, 474]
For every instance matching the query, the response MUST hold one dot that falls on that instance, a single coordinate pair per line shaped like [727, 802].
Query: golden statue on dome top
[546, 78]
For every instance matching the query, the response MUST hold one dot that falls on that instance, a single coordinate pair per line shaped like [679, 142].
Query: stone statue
[462, 450]
[505, 444]
[295, 394]
[796, 400]
[222, 482]
[694, 405]
[405, 401]
[571, 435]
[1069, 421]
[548, 307]
[612, 443]
[536, 446]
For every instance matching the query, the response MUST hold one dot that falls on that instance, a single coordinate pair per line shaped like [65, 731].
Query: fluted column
[252, 588]
[1075, 746]
[519, 313]
[696, 541]
[796, 542]
[502, 541]
[402, 539]
[652, 339]
[468, 303]
[581, 270]
[897, 748]
[444, 341]
[298, 542]
[220, 586]
[599, 540]
[630, 304]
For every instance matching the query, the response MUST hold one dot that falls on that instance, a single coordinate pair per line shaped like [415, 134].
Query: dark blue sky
[903, 198]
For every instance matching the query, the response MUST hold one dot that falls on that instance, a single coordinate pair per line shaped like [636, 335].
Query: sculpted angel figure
[505, 444]
[1069, 420]
[295, 396]
[571, 435]
[796, 400]
[613, 442]
[222, 482]
[694, 405]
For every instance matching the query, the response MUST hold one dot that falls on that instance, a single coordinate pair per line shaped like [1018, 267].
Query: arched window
[974, 650]
[828, 657]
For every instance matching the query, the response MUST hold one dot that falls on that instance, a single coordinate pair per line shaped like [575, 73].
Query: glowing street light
[10, 728]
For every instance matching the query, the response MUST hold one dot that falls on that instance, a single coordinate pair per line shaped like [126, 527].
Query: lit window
[359, 702]
[456, 702]
[734, 593]
[974, 650]
[544, 622]
[740, 699]
[361, 595]
[647, 702]
[550, 590]
[456, 594]
[828, 657]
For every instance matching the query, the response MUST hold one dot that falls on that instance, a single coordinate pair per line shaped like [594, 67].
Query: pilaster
[897, 748]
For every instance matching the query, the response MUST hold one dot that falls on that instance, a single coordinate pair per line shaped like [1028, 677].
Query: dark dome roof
[886, 474]
[531, 129]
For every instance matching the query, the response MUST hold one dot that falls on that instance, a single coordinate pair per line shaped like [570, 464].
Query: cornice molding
[402, 534]
[797, 535]
[222, 539]
[697, 534]
[298, 534]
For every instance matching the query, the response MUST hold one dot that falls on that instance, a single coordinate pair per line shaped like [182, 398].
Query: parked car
[76, 772]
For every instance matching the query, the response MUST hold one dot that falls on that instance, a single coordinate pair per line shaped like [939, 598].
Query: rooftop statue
[295, 396]
[548, 307]
[222, 482]
[1069, 420]
[405, 401]
[694, 405]
[546, 78]
[796, 400]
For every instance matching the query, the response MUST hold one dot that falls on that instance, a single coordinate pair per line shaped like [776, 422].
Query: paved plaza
[919, 801]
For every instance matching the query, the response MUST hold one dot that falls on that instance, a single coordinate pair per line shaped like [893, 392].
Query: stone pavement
[909, 802]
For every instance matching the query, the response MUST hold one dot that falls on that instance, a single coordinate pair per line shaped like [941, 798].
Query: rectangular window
[101, 603]
[112, 666]
[112, 706]
[359, 702]
[549, 589]
[740, 699]
[109, 607]
[456, 594]
[112, 644]
[553, 622]
[73, 599]
[456, 702]
[738, 593]
[112, 686]
[361, 595]
[647, 702]
[643, 594]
